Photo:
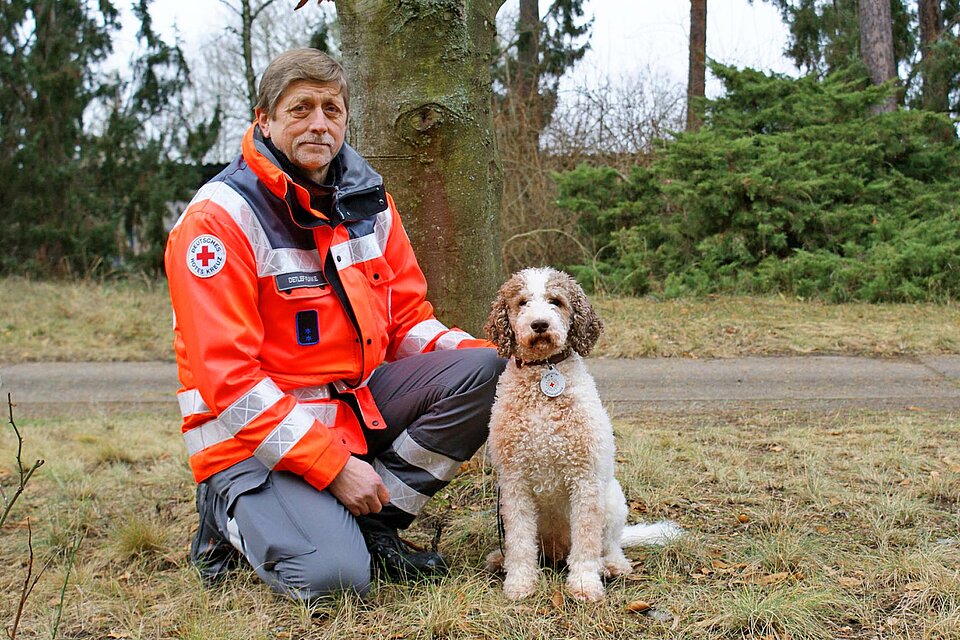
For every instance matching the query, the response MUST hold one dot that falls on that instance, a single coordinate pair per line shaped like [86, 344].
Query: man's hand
[359, 488]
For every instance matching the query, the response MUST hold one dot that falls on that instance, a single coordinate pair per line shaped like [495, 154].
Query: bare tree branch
[24, 473]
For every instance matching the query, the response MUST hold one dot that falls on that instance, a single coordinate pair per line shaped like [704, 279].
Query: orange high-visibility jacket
[282, 313]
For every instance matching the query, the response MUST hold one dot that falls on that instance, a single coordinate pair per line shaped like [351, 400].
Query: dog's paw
[519, 585]
[494, 562]
[615, 565]
[585, 586]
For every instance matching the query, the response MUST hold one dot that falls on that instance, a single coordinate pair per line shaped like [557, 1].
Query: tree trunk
[697, 72]
[876, 46]
[934, 94]
[246, 40]
[528, 49]
[420, 113]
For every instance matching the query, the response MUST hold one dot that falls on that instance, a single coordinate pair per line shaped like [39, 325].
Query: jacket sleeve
[220, 333]
[414, 328]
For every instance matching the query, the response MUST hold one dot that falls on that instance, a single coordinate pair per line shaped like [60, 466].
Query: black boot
[213, 556]
[395, 557]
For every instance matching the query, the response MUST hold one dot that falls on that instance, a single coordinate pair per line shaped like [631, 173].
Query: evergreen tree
[87, 160]
[793, 186]
[825, 36]
[529, 68]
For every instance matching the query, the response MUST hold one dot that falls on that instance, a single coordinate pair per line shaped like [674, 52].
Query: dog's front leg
[521, 551]
[586, 538]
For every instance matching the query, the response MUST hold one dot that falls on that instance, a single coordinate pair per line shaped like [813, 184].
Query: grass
[131, 321]
[800, 525]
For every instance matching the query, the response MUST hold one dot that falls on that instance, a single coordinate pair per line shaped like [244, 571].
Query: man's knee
[485, 368]
[313, 575]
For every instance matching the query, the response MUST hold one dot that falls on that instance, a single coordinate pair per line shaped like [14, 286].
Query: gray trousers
[303, 542]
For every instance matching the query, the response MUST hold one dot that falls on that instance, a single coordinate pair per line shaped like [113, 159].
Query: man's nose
[318, 121]
[539, 326]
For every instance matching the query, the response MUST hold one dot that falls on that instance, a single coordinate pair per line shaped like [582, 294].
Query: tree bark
[528, 50]
[421, 114]
[876, 46]
[246, 41]
[697, 71]
[934, 91]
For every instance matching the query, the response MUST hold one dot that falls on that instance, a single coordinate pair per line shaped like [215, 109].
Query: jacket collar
[357, 188]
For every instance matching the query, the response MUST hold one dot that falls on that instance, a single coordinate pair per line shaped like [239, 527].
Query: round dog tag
[552, 383]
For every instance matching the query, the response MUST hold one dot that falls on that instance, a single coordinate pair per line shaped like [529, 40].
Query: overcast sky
[629, 36]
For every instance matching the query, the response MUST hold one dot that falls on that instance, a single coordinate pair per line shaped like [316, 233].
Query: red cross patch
[206, 256]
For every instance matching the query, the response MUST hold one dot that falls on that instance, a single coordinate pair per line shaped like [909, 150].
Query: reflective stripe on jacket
[272, 356]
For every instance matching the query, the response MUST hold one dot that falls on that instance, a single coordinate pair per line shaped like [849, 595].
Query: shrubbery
[792, 185]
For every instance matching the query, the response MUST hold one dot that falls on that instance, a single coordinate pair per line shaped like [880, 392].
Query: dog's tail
[658, 533]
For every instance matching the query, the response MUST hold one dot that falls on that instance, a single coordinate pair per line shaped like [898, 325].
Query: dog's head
[542, 312]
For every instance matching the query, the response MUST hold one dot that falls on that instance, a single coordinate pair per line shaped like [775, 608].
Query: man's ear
[263, 120]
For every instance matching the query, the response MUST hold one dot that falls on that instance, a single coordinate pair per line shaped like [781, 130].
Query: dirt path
[928, 382]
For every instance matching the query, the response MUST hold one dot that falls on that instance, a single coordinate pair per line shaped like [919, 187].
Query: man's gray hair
[295, 65]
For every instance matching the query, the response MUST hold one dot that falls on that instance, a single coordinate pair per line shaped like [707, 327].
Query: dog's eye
[557, 302]
[522, 302]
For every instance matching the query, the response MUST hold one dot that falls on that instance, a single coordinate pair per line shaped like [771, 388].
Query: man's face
[308, 125]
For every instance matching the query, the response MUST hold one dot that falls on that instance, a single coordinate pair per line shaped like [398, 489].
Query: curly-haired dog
[551, 442]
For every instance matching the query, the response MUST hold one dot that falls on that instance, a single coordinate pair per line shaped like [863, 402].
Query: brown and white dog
[551, 442]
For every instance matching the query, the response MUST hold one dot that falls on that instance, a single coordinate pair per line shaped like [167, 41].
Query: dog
[551, 442]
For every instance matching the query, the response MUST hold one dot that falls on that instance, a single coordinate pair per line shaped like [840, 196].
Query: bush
[793, 186]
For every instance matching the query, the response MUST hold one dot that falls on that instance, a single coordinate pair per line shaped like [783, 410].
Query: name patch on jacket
[308, 329]
[299, 280]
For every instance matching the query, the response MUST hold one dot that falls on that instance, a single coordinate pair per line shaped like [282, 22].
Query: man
[323, 403]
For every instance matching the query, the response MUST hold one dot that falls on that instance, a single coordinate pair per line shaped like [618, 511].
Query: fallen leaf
[638, 606]
[917, 586]
[773, 578]
[717, 564]
[821, 529]
[848, 582]
[743, 518]
[776, 448]
[557, 599]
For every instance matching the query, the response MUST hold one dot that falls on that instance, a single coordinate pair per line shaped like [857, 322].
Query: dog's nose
[539, 326]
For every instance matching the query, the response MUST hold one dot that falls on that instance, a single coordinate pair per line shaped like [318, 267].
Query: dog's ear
[498, 328]
[586, 326]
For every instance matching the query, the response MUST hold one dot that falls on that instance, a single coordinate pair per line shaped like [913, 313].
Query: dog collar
[554, 359]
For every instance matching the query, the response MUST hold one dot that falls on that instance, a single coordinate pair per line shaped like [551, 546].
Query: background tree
[533, 54]
[935, 76]
[78, 198]
[825, 34]
[420, 112]
[530, 64]
[697, 70]
[876, 45]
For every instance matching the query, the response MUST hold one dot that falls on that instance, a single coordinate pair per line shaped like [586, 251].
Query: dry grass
[84, 321]
[800, 525]
[735, 326]
[131, 321]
